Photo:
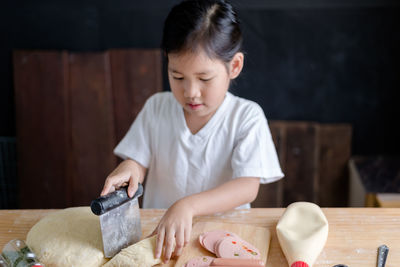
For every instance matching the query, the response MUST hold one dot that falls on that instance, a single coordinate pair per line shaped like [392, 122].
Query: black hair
[211, 25]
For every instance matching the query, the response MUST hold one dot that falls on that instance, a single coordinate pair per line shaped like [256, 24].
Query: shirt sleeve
[254, 154]
[136, 144]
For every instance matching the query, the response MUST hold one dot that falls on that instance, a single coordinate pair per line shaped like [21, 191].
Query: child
[203, 149]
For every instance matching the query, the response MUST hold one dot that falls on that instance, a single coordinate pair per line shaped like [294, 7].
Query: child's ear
[236, 65]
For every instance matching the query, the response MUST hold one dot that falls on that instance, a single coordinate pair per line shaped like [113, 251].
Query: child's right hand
[128, 172]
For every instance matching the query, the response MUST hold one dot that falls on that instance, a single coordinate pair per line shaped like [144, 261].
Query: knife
[119, 219]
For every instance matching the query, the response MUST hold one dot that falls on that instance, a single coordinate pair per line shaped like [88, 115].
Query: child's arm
[128, 172]
[176, 224]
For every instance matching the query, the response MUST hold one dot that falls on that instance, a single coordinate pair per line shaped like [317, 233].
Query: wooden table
[354, 233]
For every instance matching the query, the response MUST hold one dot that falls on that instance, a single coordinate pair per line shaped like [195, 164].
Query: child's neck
[196, 123]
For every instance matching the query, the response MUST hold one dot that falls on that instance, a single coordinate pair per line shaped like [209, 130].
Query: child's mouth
[194, 106]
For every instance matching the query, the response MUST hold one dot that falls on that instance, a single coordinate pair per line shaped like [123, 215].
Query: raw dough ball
[140, 254]
[69, 237]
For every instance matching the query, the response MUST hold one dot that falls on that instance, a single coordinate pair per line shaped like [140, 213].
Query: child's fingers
[160, 242]
[180, 242]
[115, 180]
[187, 233]
[133, 186]
[169, 245]
[108, 186]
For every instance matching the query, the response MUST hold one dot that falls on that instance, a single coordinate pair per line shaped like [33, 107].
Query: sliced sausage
[235, 247]
[209, 239]
[202, 261]
[237, 262]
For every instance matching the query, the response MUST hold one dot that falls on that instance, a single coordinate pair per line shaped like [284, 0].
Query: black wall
[325, 61]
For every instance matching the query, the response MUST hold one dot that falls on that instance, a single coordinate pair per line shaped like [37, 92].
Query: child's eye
[178, 78]
[206, 80]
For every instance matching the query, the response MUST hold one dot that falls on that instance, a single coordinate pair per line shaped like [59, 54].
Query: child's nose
[192, 90]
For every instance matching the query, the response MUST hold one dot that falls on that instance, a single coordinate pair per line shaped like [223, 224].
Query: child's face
[199, 83]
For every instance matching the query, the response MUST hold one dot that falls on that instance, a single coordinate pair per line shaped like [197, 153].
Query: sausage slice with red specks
[235, 247]
[237, 262]
[209, 239]
[202, 261]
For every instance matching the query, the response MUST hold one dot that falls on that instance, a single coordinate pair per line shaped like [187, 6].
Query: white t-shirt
[235, 142]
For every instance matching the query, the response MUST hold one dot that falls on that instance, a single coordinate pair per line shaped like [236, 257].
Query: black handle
[114, 199]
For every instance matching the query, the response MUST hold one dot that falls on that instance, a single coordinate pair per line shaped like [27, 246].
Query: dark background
[324, 61]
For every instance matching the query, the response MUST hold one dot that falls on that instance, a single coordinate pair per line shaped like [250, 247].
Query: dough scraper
[119, 219]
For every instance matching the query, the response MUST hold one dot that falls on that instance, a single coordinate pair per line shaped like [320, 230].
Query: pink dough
[235, 247]
[202, 261]
[209, 239]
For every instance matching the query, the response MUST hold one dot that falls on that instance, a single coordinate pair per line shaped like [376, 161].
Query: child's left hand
[174, 229]
[175, 226]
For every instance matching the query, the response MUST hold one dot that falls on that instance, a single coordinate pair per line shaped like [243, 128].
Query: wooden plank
[92, 125]
[136, 75]
[65, 110]
[314, 159]
[40, 80]
[271, 195]
[335, 152]
[301, 163]
[279, 137]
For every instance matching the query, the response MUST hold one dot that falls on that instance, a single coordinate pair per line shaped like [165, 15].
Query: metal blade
[382, 255]
[120, 227]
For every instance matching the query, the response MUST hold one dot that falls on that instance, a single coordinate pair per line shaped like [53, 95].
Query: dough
[302, 232]
[69, 237]
[72, 237]
[140, 254]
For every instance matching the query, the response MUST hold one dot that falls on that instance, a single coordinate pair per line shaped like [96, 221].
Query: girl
[202, 149]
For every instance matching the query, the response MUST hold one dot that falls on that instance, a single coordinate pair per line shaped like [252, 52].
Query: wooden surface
[40, 81]
[313, 157]
[255, 235]
[91, 126]
[334, 154]
[136, 75]
[71, 111]
[354, 233]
